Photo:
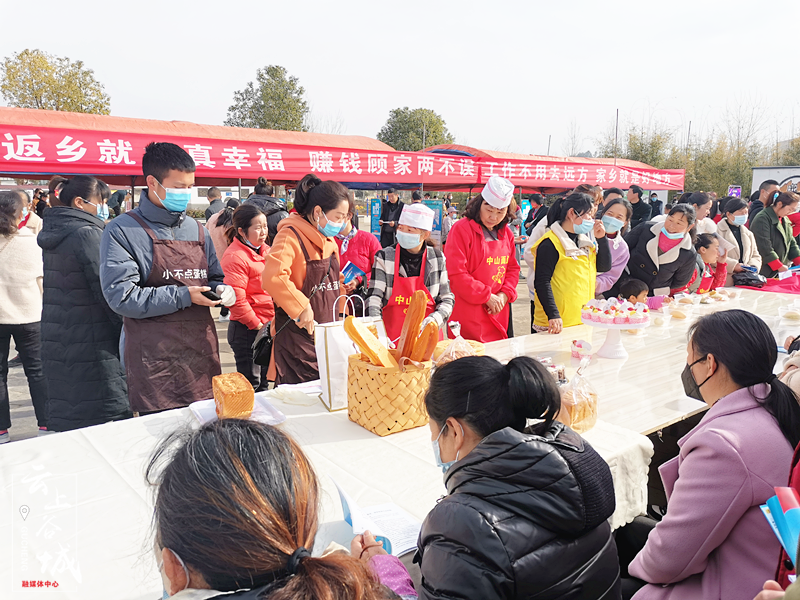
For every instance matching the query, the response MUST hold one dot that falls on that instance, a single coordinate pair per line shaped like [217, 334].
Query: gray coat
[126, 257]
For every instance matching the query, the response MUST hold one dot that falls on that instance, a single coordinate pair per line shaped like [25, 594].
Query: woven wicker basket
[386, 400]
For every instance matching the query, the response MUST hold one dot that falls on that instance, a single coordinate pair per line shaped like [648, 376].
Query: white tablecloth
[88, 500]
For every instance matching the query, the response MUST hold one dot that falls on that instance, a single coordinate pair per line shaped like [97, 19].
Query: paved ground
[23, 420]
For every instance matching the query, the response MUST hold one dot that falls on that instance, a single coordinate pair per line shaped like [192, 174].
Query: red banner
[29, 150]
[33, 150]
[566, 175]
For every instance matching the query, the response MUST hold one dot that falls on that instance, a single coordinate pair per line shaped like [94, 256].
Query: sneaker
[4, 437]
[225, 318]
[15, 361]
[44, 431]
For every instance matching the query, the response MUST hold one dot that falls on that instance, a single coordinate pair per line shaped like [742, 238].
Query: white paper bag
[333, 346]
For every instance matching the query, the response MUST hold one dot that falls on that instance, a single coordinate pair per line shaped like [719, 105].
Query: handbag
[333, 347]
[748, 279]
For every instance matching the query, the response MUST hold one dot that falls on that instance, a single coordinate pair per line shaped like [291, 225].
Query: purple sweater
[714, 543]
[619, 258]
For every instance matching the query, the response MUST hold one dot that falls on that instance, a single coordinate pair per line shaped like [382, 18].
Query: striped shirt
[382, 281]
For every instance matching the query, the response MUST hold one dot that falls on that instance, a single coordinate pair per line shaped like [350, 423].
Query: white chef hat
[498, 191]
[417, 215]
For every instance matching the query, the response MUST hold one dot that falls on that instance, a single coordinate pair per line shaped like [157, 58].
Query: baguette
[411, 324]
[426, 343]
[368, 344]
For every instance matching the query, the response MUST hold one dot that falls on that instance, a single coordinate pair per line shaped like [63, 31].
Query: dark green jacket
[774, 240]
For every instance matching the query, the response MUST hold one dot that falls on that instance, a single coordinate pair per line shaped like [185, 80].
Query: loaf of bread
[426, 343]
[414, 317]
[478, 349]
[678, 314]
[368, 344]
[233, 396]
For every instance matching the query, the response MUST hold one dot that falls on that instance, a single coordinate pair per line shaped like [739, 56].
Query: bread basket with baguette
[386, 388]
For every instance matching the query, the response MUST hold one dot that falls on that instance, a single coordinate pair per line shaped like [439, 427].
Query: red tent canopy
[552, 174]
[39, 143]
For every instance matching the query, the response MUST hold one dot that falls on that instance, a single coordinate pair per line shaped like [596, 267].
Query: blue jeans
[27, 339]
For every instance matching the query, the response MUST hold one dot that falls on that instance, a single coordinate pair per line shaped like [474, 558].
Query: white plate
[205, 411]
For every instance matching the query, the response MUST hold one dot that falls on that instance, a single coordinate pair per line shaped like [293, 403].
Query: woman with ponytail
[773, 232]
[567, 262]
[243, 265]
[526, 515]
[236, 515]
[302, 275]
[713, 544]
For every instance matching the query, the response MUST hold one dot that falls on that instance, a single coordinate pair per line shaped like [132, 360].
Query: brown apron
[295, 355]
[170, 360]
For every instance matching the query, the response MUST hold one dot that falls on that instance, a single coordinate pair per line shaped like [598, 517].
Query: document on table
[391, 525]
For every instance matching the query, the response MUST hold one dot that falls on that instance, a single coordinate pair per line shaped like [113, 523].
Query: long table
[76, 510]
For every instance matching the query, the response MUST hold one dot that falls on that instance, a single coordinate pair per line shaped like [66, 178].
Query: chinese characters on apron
[295, 354]
[476, 322]
[394, 313]
[171, 359]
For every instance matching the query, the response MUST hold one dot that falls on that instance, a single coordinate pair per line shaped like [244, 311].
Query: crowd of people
[110, 312]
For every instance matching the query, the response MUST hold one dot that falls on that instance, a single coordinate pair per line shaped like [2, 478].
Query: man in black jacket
[390, 216]
[770, 186]
[656, 206]
[215, 204]
[641, 209]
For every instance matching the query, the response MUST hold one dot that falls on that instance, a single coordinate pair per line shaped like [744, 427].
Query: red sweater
[243, 269]
[361, 250]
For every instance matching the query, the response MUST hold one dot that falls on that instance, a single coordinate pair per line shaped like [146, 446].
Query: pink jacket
[714, 543]
[217, 235]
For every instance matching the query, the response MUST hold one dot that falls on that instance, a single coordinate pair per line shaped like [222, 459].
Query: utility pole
[616, 138]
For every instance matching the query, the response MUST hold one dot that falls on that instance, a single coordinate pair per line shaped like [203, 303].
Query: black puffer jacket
[274, 208]
[80, 333]
[525, 517]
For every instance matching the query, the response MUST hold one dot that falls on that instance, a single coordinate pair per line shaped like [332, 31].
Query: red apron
[394, 313]
[476, 323]
[170, 360]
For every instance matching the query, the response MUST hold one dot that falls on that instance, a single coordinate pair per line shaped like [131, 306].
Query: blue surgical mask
[331, 228]
[740, 220]
[584, 227]
[671, 236]
[612, 224]
[24, 211]
[175, 199]
[102, 211]
[437, 452]
[408, 240]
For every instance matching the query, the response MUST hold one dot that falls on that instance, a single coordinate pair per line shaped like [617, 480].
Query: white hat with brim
[417, 215]
[498, 191]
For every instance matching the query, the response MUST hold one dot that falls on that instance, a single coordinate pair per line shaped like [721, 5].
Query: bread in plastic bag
[457, 348]
[579, 402]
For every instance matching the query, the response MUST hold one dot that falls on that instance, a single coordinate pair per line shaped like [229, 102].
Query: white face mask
[165, 580]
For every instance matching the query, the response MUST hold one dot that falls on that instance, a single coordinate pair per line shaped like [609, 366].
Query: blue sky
[503, 74]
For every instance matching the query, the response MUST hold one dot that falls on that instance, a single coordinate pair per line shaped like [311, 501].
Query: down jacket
[526, 516]
[80, 333]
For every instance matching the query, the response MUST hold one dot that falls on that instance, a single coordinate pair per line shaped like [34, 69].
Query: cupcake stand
[612, 347]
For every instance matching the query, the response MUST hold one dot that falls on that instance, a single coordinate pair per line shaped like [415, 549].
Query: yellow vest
[573, 283]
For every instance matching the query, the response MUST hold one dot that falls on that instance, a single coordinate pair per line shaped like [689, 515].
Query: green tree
[790, 155]
[409, 130]
[35, 79]
[274, 101]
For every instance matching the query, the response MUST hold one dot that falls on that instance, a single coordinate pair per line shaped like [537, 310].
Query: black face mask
[690, 386]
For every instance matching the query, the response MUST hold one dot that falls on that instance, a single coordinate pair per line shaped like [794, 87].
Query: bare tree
[325, 123]
[572, 145]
